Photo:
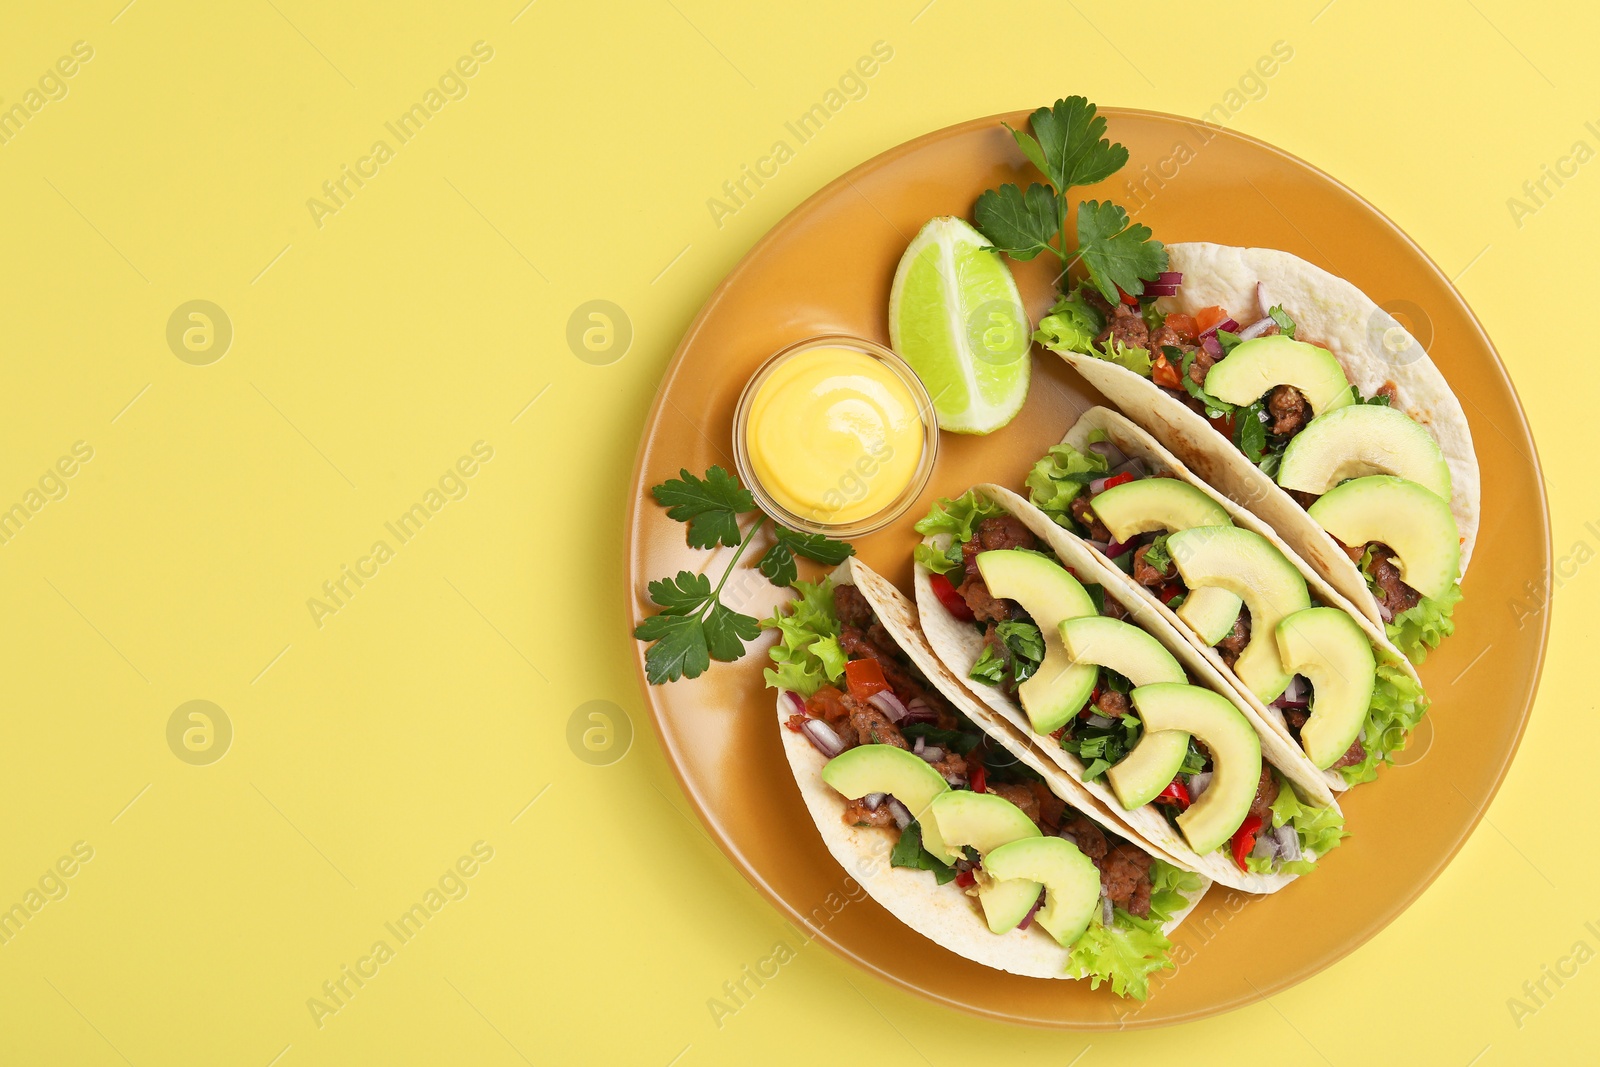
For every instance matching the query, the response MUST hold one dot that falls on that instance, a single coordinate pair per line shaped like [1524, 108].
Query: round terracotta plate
[827, 269]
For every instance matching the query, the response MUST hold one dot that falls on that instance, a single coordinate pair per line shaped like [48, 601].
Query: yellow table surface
[407, 741]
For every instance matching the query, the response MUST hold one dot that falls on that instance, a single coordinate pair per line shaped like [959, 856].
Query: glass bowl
[853, 484]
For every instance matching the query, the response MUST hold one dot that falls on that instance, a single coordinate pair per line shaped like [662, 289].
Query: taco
[920, 794]
[1323, 676]
[1049, 638]
[1322, 415]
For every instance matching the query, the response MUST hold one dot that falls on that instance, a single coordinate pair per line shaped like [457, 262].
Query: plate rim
[636, 490]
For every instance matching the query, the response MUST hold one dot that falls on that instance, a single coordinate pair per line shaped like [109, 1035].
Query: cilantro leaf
[686, 593]
[908, 852]
[710, 505]
[1250, 433]
[726, 631]
[1116, 253]
[1069, 145]
[680, 647]
[1019, 224]
[1281, 317]
[778, 564]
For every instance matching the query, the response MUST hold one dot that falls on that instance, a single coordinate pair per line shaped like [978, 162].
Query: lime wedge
[956, 317]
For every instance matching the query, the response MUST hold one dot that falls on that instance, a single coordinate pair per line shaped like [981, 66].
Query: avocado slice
[1359, 440]
[1059, 688]
[1141, 775]
[1235, 756]
[1210, 612]
[1147, 504]
[1250, 566]
[1327, 646]
[1410, 519]
[1254, 367]
[904, 776]
[1070, 879]
[985, 821]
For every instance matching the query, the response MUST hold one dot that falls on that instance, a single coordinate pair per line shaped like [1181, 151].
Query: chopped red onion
[1288, 843]
[1198, 784]
[902, 815]
[1266, 847]
[1098, 546]
[1100, 720]
[889, 704]
[1170, 277]
[796, 701]
[1255, 329]
[1134, 466]
[1027, 920]
[1117, 548]
[917, 712]
[1112, 454]
[918, 745]
[1226, 324]
[873, 800]
[1157, 289]
[1212, 346]
[1298, 687]
[1107, 911]
[821, 735]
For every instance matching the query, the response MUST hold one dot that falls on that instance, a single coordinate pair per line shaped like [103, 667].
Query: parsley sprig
[1069, 147]
[694, 626]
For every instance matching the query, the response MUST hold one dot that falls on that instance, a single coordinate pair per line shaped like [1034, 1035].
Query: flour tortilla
[1371, 346]
[1133, 442]
[945, 913]
[959, 645]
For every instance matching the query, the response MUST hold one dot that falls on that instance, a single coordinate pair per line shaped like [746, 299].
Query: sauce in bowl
[831, 436]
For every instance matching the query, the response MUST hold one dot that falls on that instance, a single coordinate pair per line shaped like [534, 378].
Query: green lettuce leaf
[1131, 949]
[959, 516]
[807, 653]
[1398, 704]
[1070, 326]
[1422, 627]
[1057, 479]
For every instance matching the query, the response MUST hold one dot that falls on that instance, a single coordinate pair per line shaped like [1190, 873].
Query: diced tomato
[978, 778]
[1163, 373]
[1206, 318]
[1176, 793]
[1122, 479]
[1170, 592]
[1184, 326]
[952, 600]
[1244, 839]
[827, 703]
[794, 722]
[1131, 301]
[865, 678]
[965, 878]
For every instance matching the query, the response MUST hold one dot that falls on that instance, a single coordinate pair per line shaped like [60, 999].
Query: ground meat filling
[1000, 532]
[856, 813]
[1231, 646]
[1126, 326]
[1021, 796]
[1147, 575]
[872, 727]
[1166, 337]
[1394, 595]
[1083, 513]
[1289, 410]
[1110, 703]
[1124, 868]
[1203, 362]
[1125, 879]
[851, 607]
[1266, 793]
[1390, 392]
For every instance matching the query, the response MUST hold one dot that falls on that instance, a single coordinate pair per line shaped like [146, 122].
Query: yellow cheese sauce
[834, 435]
